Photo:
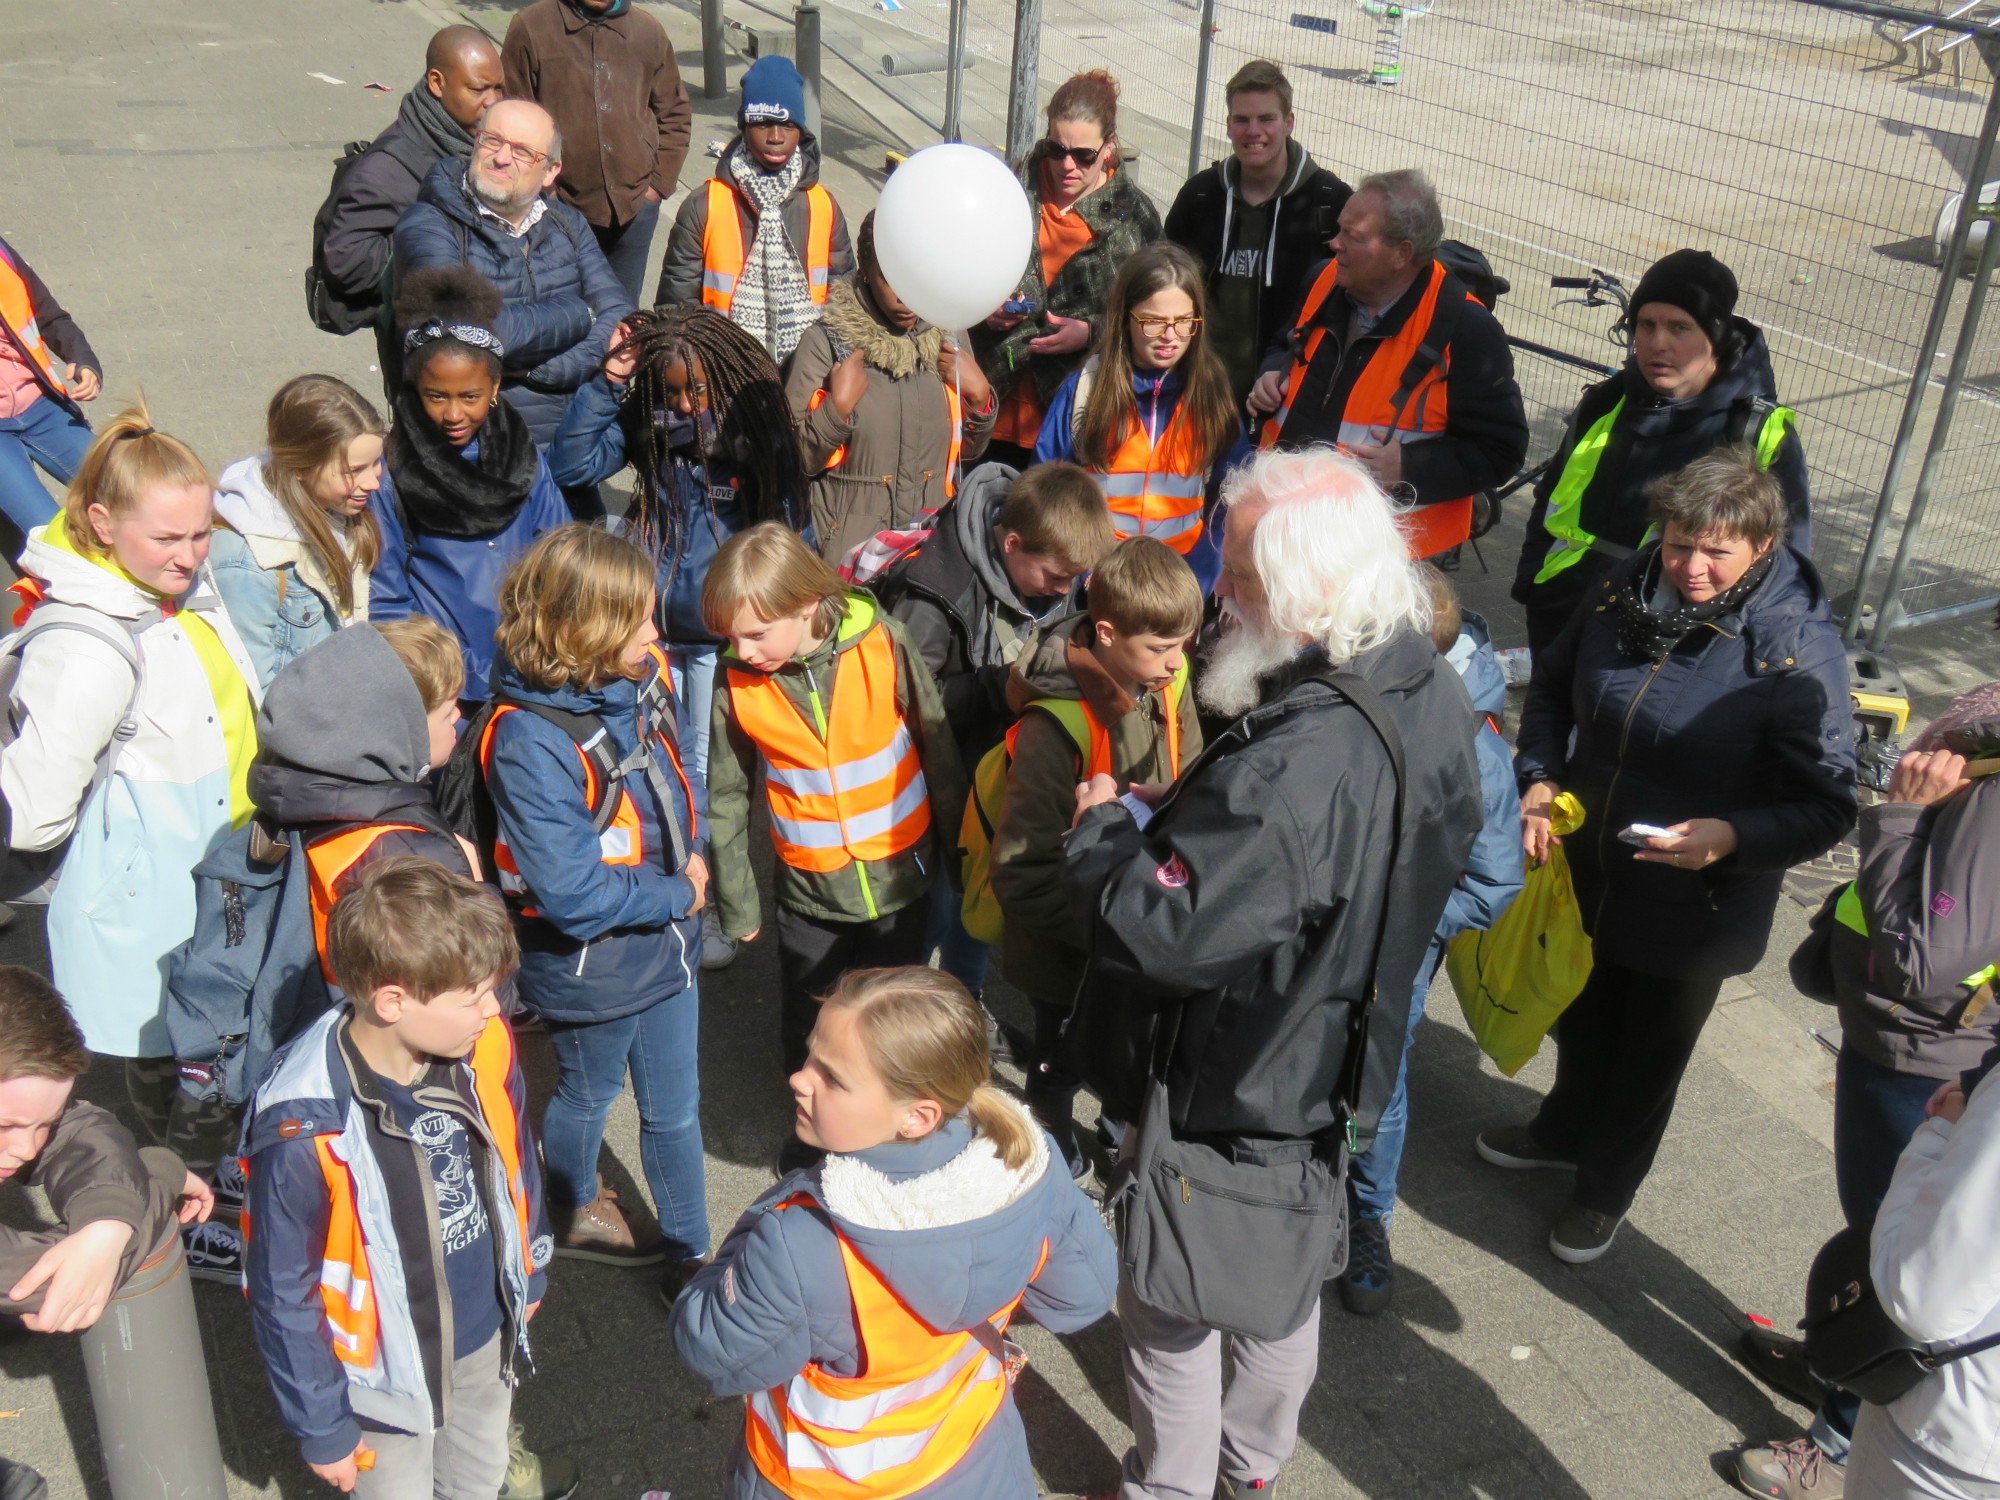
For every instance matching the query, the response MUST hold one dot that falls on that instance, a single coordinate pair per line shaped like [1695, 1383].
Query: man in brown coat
[607, 73]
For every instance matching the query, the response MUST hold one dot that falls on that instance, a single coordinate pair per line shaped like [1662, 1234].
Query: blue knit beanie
[773, 90]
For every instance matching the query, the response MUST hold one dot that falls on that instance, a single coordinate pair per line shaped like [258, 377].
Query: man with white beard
[1243, 918]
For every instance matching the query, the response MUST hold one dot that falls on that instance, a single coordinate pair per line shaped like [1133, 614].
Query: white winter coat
[126, 896]
[1936, 1265]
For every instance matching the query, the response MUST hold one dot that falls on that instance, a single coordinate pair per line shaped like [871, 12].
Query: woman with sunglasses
[1089, 217]
[1150, 413]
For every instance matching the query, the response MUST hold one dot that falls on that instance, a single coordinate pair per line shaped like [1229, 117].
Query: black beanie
[1697, 283]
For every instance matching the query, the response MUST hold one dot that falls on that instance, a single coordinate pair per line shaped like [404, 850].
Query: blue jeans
[960, 954]
[693, 671]
[1875, 1112]
[45, 434]
[658, 1046]
[1371, 1176]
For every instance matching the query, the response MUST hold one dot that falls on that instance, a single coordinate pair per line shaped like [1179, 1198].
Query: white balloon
[953, 232]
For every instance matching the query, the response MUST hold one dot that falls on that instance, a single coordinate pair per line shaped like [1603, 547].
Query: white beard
[1246, 652]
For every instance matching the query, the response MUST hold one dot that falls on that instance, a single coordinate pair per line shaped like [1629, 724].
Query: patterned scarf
[773, 301]
[1652, 615]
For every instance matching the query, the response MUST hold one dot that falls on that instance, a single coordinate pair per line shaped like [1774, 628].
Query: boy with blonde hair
[1100, 691]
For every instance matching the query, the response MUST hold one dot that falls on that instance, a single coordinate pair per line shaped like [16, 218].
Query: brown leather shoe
[600, 1231]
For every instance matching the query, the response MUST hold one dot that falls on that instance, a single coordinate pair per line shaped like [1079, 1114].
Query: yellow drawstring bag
[1517, 976]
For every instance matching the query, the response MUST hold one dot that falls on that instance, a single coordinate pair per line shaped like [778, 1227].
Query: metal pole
[954, 77]
[714, 72]
[1024, 101]
[1954, 382]
[805, 42]
[1203, 49]
[1920, 378]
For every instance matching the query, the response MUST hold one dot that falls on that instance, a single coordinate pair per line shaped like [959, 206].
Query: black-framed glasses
[1159, 328]
[1085, 157]
[490, 143]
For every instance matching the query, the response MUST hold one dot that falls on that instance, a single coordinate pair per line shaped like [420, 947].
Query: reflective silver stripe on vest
[512, 883]
[718, 281]
[855, 1415]
[858, 828]
[615, 843]
[818, 275]
[852, 1461]
[1124, 524]
[848, 776]
[1130, 486]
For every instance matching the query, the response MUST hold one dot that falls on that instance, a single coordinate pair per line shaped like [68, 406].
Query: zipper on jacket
[447, 1338]
[819, 722]
[582, 954]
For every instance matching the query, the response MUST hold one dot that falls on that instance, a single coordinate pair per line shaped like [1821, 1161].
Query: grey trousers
[466, 1459]
[1884, 1464]
[1187, 1428]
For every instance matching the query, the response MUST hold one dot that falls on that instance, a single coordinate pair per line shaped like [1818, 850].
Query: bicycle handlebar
[1573, 283]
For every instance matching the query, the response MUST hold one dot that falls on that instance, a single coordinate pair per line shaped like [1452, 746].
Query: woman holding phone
[1697, 705]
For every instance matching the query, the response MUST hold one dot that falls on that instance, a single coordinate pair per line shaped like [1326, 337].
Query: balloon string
[958, 406]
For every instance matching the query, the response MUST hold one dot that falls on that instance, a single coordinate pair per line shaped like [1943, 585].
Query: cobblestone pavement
[162, 163]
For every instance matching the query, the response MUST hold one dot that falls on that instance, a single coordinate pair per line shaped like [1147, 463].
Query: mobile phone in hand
[1641, 834]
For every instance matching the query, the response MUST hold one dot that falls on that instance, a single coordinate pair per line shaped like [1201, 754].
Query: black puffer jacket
[1651, 438]
[1253, 898]
[1746, 719]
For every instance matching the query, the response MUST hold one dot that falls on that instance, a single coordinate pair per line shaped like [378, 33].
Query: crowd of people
[1105, 636]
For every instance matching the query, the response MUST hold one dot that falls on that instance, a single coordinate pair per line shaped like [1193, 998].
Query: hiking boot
[533, 1477]
[214, 1252]
[674, 1280]
[1780, 1362]
[1514, 1146]
[600, 1231]
[1582, 1234]
[1797, 1470]
[1370, 1278]
[717, 951]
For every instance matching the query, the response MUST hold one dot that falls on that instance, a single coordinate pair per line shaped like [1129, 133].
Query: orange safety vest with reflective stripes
[850, 786]
[922, 1400]
[346, 1283]
[1373, 414]
[621, 841]
[330, 859]
[956, 414]
[18, 308]
[723, 252]
[1157, 489]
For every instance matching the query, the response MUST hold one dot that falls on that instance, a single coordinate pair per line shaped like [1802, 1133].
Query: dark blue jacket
[456, 580]
[609, 940]
[562, 299]
[590, 447]
[1747, 719]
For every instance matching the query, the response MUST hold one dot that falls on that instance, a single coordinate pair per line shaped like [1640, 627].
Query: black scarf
[443, 494]
[1649, 634]
[425, 120]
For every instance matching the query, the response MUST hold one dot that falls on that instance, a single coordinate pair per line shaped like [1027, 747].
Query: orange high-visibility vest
[922, 1400]
[1097, 760]
[952, 408]
[330, 859]
[1157, 489]
[346, 1285]
[622, 841]
[18, 309]
[850, 786]
[723, 252]
[1372, 415]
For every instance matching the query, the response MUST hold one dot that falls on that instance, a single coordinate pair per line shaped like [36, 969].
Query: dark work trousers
[1052, 1088]
[813, 954]
[625, 246]
[1621, 1049]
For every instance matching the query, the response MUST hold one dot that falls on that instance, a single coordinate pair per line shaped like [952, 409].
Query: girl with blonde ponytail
[894, 1264]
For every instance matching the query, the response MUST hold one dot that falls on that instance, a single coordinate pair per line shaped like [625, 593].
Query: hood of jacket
[615, 702]
[950, 1227]
[1471, 656]
[319, 760]
[1775, 615]
[974, 514]
[851, 318]
[1749, 376]
[1299, 169]
[244, 500]
[72, 578]
[1058, 663]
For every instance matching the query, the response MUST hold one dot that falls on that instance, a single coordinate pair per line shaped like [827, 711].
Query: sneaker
[231, 1186]
[674, 1280]
[19, 1482]
[214, 1252]
[1582, 1234]
[1236, 1489]
[1370, 1278]
[1797, 1470]
[1780, 1362]
[533, 1477]
[717, 951]
[1514, 1146]
[600, 1231]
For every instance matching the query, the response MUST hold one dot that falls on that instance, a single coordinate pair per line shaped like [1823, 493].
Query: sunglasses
[1085, 157]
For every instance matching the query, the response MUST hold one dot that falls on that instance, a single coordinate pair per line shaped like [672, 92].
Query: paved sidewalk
[162, 163]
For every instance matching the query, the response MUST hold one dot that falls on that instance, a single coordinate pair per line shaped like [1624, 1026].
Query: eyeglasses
[1159, 328]
[491, 144]
[1085, 157]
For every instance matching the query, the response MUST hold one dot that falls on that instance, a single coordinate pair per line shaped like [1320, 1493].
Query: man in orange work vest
[1391, 359]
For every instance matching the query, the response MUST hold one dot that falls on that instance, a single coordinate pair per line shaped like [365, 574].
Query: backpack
[28, 876]
[872, 557]
[330, 310]
[1475, 270]
[982, 916]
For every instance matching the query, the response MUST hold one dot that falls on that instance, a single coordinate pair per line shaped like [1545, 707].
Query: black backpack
[330, 310]
[1472, 267]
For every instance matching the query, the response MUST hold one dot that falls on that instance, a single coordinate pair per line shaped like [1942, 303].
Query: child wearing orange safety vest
[397, 1246]
[1150, 413]
[820, 690]
[862, 1305]
[1118, 673]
